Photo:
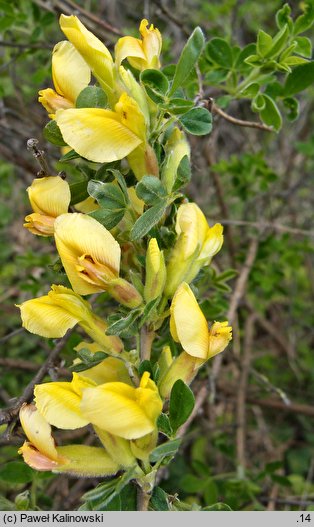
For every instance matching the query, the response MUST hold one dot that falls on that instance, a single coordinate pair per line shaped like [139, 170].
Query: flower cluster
[145, 276]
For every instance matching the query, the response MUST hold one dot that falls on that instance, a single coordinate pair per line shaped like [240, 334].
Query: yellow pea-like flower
[94, 53]
[141, 54]
[41, 453]
[70, 75]
[188, 326]
[52, 315]
[91, 258]
[114, 407]
[49, 197]
[196, 244]
[130, 412]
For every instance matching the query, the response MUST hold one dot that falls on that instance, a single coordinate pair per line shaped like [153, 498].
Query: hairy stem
[146, 340]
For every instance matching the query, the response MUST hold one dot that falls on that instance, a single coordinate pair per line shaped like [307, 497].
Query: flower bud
[155, 271]
[176, 148]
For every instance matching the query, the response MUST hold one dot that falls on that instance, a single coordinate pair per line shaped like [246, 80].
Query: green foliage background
[256, 183]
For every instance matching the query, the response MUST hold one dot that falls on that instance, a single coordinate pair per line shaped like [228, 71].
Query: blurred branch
[239, 122]
[9, 414]
[242, 392]
[268, 225]
[170, 16]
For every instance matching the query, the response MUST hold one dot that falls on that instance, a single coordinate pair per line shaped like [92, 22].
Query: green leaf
[188, 59]
[219, 51]
[78, 188]
[147, 221]
[164, 425]
[166, 449]
[103, 494]
[251, 90]
[145, 365]
[258, 103]
[300, 78]
[7, 505]
[159, 500]
[112, 201]
[183, 174]
[156, 84]
[247, 51]
[88, 359]
[294, 61]
[149, 310]
[69, 156]
[303, 47]
[217, 507]
[16, 472]
[305, 21]
[178, 106]
[264, 43]
[122, 325]
[292, 106]
[181, 404]
[52, 133]
[270, 113]
[151, 190]
[279, 42]
[283, 17]
[91, 97]
[197, 121]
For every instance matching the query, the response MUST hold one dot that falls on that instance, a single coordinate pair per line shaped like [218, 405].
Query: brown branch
[210, 156]
[25, 365]
[237, 296]
[242, 390]
[268, 225]
[9, 414]
[38, 45]
[239, 122]
[170, 16]
[93, 18]
[273, 404]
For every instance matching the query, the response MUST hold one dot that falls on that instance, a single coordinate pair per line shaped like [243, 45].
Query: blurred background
[252, 443]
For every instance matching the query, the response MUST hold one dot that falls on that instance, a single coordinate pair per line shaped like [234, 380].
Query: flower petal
[76, 235]
[42, 317]
[113, 408]
[129, 47]
[109, 370]
[60, 405]
[93, 51]
[96, 134]
[38, 431]
[190, 323]
[70, 73]
[49, 196]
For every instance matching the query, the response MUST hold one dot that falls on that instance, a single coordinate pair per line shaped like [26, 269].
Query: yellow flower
[130, 413]
[189, 327]
[91, 258]
[41, 453]
[49, 197]
[196, 244]
[53, 314]
[70, 75]
[155, 271]
[102, 135]
[113, 407]
[94, 53]
[141, 54]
